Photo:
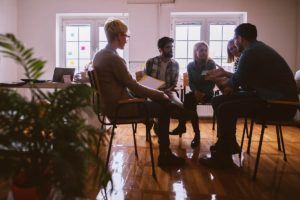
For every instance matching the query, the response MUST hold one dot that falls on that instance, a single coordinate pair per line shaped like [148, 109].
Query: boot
[196, 141]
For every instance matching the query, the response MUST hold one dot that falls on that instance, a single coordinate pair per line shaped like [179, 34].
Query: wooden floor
[132, 179]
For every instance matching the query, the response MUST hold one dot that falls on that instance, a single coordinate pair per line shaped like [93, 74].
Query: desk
[46, 85]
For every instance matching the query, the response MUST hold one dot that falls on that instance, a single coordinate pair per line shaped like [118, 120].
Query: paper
[151, 82]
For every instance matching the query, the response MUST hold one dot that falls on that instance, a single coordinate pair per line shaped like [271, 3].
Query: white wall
[8, 24]
[298, 39]
[276, 21]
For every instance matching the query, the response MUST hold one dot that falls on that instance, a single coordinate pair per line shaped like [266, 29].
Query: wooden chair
[116, 120]
[277, 123]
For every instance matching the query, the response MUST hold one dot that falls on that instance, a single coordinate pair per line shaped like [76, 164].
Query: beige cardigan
[115, 81]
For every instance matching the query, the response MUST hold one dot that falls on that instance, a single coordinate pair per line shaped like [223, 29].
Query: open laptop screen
[60, 72]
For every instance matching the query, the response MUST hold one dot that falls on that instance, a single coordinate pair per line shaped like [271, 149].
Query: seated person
[115, 80]
[201, 89]
[164, 68]
[266, 76]
[233, 55]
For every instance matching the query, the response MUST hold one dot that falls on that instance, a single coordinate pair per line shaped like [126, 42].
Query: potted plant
[44, 142]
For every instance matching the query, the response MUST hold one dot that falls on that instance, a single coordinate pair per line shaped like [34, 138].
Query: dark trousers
[229, 108]
[159, 110]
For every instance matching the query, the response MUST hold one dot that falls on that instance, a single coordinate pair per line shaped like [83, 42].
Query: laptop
[59, 72]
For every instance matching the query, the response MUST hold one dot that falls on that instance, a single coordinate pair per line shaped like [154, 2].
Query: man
[164, 68]
[265, 75]
[115, 80]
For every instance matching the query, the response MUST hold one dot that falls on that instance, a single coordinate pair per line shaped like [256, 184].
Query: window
[81, 37]
[214, 28]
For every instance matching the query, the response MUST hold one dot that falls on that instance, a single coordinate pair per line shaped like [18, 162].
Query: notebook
[151, 82]
[59, 72]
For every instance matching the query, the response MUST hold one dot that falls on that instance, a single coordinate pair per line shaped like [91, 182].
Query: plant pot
[29, 193]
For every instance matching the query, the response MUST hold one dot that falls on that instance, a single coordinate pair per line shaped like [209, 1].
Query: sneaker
[179, 130]
[168, 159]
[217, 161]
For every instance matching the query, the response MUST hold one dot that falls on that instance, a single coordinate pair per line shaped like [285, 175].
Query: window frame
[205, 19]
[95, 21]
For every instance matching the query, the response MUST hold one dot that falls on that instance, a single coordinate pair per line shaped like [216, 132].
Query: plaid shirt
[172, 71]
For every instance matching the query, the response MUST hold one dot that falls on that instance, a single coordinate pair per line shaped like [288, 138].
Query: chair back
[185, 81]
[139, 75]
[96, 94]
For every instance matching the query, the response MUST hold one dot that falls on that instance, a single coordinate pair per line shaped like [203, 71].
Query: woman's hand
[215, 74]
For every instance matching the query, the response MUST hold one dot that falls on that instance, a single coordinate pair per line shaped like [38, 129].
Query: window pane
[191, 48]
[102, 45]
[224, 50]
[215, 49]
[71, 33]
[72, 50]
[194, 32]
[83, 63]
[84, 50]
[180, 49]
[85, 33]
[182, 65]
[215, 32]
[72, 63]
[102, 36]
[228, 32]
[181, 32]
[120, 52]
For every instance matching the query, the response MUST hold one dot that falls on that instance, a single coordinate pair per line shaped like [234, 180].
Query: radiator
[205, 110]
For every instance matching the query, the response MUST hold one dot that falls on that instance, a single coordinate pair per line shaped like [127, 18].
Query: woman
[220, 76]
[201, 89]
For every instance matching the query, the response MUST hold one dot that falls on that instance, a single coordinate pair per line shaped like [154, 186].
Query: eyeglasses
[124, 34]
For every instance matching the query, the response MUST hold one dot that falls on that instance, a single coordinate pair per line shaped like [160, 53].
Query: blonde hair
[113, 27]
[197, 46]
[230, 56]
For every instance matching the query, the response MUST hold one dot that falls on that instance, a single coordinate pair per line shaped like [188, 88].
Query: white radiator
[205, 110]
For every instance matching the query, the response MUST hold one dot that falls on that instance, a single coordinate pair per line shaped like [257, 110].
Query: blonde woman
[115, 81]
[201, 89]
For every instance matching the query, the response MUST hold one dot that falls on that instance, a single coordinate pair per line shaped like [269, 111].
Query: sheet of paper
[151, 82]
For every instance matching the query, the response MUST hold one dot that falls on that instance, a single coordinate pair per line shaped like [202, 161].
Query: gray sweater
[115, 81]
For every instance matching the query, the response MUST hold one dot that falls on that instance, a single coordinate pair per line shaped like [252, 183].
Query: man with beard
[164, 68]
[265, 75]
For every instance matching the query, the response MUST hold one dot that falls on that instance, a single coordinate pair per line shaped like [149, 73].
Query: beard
[168, 54]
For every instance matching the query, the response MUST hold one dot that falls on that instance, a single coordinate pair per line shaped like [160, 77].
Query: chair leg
[109, 148]
[278, 137]
[246, 127]
[151, 150]
[282, 143]
[214, 120]
[250, 136]
[259, 150]
[134, 126]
